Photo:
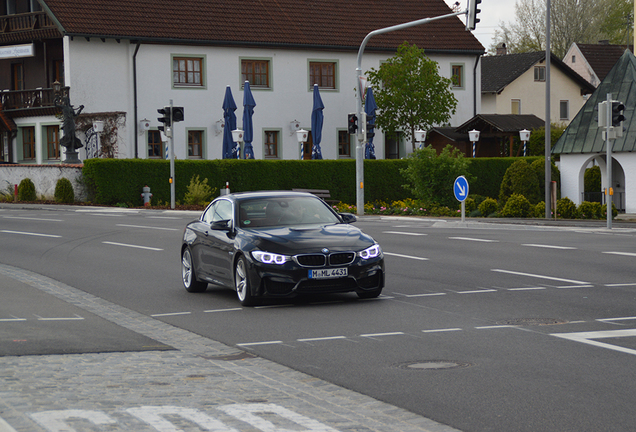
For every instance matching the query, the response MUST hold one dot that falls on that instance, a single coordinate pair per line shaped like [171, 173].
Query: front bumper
[291, 279]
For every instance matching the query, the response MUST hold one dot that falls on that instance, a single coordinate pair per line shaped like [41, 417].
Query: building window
[195, 144]
[155, 145]
[271, 144]
[457, 76]
[187, 71]
[53, 141]
[573, 59]
[515, 106]
[17, 76]
[256, 72]
[323, 74]
[344, 144]
[564, 110]
[539, 73]
[28, 143]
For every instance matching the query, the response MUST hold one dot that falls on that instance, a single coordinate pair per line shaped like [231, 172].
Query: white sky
[492, 13]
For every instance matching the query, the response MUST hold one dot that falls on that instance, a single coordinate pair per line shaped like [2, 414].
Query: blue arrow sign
[460, 188]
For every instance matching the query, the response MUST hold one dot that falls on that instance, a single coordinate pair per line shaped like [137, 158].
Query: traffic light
[370, 126]
[617, 114]
[471, 18]
[166, 118]
[353, 123]
[177, 114]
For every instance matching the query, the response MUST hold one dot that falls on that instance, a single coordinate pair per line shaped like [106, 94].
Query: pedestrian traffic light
[471, 17]
[353, 123]
[166, 118]
[617, 114]
[177, 114]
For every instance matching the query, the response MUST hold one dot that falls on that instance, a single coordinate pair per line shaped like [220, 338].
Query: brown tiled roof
[602, 57]
[333, 24]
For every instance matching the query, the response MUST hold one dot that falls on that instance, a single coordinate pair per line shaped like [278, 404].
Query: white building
[123, 60]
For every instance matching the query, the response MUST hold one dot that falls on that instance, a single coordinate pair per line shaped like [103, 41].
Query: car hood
[308, 238]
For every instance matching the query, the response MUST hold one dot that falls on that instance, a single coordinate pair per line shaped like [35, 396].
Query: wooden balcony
[25, 22]
[29, 99]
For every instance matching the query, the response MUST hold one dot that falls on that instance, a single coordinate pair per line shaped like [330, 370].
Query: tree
[581, 21]
[410, 93]
[431, 176]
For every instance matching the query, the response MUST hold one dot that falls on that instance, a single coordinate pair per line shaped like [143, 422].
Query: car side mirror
[348, 218]
[222, 225]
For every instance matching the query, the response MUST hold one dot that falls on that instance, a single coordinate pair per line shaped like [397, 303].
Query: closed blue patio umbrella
[369, 107]
[230, 148]
[248, 127]
[317, 118]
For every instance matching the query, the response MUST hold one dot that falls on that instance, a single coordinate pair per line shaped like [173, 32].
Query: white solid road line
[442, 330]
[539, 276]
[170, 314]
[548, 246]
[32, 218]
[321, 338]
[148, 227]
[405, 256]
[404, 233]
[474, 239]
[30, 234]
[382, 334]
[631, 254]
[259, 343]
[132, 246]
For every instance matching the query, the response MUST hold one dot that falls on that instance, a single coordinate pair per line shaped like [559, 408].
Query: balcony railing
[27, 99]
[25, 21]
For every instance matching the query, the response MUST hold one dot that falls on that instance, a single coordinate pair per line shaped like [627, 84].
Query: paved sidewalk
[200, 385]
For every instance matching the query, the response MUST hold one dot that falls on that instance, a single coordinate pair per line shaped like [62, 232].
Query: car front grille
[314, 260]
[321, 260]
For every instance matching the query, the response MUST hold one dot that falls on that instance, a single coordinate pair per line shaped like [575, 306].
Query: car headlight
[370, 252]
[270, 258]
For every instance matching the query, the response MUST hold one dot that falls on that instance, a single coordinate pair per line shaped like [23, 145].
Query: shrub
[539, 168]
[604, 211]
[199, 192]
[431, 176]
[589, 210]
[516, 206]
[566, 209]
[26, 190]
[488, 207]
[592, 179]
[539, 210]
[64, 191]
[470, 205]
[520, 179]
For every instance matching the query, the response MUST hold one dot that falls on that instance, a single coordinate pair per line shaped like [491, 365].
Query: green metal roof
[583, 134]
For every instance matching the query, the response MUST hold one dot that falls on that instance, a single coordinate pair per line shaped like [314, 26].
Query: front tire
[242, 282]
[188, 275]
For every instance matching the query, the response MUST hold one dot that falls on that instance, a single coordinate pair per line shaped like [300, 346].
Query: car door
[217, 245]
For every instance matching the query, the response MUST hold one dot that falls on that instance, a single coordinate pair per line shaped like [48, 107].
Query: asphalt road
[481, 327]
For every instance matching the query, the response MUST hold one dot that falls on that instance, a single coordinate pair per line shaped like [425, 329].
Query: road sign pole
[172, 188]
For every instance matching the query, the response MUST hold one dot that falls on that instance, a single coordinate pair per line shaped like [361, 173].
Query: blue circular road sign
[460, 188]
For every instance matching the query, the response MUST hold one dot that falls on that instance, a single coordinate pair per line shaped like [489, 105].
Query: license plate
[328, 273]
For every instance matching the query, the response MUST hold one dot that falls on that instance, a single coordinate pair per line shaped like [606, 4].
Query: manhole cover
[432, 365]
[532, 321]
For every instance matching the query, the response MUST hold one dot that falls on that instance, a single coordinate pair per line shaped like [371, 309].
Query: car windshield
[284, 211]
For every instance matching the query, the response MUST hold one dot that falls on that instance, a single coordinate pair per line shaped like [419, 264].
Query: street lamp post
[473, 136]
[237, 137]
[525, 137]
[420, 137]
[302, 135]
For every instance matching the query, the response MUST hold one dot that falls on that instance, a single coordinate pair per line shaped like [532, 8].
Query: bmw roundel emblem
[325, 250]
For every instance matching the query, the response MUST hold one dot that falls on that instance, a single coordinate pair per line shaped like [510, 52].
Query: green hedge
[114, 181]
[488, 173]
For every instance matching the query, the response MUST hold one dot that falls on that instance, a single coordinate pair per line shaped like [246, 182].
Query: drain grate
[532, 321]
[432, 365]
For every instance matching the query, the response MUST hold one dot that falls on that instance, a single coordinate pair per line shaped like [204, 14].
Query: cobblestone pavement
[199, 385]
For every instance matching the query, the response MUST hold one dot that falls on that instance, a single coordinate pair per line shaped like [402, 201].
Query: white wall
[100, 76]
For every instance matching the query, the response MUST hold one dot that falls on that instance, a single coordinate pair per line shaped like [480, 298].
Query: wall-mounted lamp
[218, 126]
